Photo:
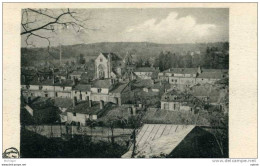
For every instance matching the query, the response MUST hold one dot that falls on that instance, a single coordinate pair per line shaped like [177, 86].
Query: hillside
[141, 49]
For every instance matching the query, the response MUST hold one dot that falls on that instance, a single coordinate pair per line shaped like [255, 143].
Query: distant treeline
[212, 58]
[173, 55]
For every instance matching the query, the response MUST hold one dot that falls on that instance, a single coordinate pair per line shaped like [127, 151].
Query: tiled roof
[106, 83]
[119, 88]
[63, 102]
[76, 72]
[50, 82]
[206, 90]
[83, 87]
[182, 70]
[212, 74]
[146, 69]
[83, 108]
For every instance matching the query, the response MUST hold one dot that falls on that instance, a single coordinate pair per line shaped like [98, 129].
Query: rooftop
[83, 87]
[154, 139]
[63, 102]
[182, 70]
[146, 69]
[83, 108]
[105, 83]
[119, 88]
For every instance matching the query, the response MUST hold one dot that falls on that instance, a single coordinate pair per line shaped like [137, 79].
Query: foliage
[36, 146]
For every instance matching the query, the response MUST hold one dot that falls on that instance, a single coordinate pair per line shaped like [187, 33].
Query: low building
[109, 90]
[175, 100]
[209, 93]
[183, 78]
[80, 112]
[76, 75]
[146, 72]
[48, 88]
[81, 92]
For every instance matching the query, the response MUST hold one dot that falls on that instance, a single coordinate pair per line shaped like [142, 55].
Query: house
[174, 141]
[63, 103]
[209, 93]
[183, 78]
[76, 75]
[108, 65]
[80, 112]
[175, 100]
[81, 92]
[146, 72]
[109, 90]
[40, 87]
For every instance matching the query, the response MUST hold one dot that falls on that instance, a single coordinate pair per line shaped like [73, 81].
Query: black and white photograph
[124, 83]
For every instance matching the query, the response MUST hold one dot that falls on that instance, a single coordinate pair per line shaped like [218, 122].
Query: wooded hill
[143, 50]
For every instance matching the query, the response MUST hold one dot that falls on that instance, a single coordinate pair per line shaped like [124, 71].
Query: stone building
[108, 65]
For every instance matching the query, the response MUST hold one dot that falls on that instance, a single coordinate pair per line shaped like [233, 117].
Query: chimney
[74, 101]
[134, 110]
[129, 109]
[160, 82]
[67, 74]
[90, 103]
[74, 81]
[53, 80]
[140, 105]
[101, 104]
[39, 79]
[153, 81]
[199, 70]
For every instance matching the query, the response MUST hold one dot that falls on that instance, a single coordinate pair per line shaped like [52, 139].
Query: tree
[35, 21]
[219, 128]
[135, 122]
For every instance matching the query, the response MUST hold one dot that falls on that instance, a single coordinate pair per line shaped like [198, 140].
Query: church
[108, 65]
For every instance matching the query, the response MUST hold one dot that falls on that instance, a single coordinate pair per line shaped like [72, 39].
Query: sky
[157, 25]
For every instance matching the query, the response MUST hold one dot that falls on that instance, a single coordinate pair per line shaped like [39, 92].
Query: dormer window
[101, 60]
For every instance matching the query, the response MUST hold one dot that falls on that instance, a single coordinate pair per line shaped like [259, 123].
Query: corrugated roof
[154, 139]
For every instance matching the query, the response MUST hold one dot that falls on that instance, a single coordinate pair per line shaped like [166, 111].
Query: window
[99, 90]
[74, 113]
[40, 87]
[166, 106]
[101, 60]
[27, 86]
[174, 106]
